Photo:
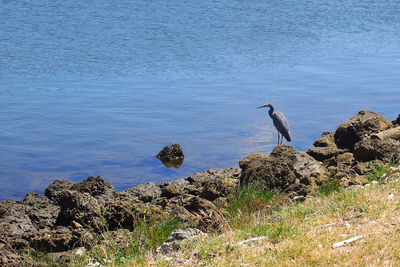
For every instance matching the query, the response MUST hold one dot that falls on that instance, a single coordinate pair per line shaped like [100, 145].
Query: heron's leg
[281, 139]
[278, 138]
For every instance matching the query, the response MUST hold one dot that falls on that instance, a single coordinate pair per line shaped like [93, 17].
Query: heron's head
[266, 106]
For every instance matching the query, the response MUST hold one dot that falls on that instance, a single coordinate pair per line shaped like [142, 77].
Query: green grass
[380, 169]
[332, 185]
[148, 234]
[245, 203]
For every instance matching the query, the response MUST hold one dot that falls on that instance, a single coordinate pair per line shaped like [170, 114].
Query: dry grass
[303, 234]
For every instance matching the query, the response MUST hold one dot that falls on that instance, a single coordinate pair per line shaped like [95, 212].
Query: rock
[62, 239]
[97, 188]
[173, 241]
[55, 240]
[119, 214]
[219, 188]
[285, 169]
[171, 156]
[391, 174]
[371, 149]
[213, 183]
[145, 192]
[10, 258]
[364, 123]
[42, 212]
[15, 225]
[323, 153]
[170, 191]
[202, 178]
[64, 258]
[396, 122]
[55, 188]
[81, 208]
[345, 159]
[351, 181]
[269, 171]
[327, 140]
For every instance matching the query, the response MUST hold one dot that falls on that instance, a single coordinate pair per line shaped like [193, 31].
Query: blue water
[99, 87]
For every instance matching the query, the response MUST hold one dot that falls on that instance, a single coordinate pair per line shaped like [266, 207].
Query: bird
[280, 122]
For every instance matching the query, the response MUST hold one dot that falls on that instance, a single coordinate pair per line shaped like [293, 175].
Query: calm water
[99, 87]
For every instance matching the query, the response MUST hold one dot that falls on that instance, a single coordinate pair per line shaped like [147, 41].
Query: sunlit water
[99, 87]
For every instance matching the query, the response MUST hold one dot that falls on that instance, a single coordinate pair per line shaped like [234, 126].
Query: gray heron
[280, 122]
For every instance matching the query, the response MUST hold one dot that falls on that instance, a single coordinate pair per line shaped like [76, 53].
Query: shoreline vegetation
[335, 204]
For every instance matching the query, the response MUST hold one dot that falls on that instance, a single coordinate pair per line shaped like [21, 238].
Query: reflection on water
[177, 163]
[97, 89]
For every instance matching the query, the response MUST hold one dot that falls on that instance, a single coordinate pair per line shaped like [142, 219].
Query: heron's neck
[271, 111]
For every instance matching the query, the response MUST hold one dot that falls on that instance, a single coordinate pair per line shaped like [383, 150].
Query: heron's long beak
[261, 106]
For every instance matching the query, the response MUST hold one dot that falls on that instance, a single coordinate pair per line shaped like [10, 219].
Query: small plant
[330, 186]
[379, 170]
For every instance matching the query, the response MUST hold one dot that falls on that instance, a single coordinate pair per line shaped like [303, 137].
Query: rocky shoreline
[70, 215]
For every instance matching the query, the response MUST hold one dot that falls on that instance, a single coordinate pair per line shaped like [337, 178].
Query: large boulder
[363, 123]
[371, 149]
[284, 168]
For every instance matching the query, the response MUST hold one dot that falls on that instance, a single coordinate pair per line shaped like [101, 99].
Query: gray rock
[364, 123]
[323, 153]
[145, 192]
[371, 149]
[16, 228]
[55, 188]
[42, 212]
[97, 188]
[327, 140]
[173, 242]
[119, 213]
[81, 208]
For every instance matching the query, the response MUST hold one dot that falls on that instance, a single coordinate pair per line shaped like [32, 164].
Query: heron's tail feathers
[287, 137]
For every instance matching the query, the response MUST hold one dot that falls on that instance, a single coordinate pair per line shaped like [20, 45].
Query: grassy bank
[295, 234]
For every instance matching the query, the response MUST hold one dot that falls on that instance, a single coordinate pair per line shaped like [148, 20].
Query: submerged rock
[171, 156]
[363, 123]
